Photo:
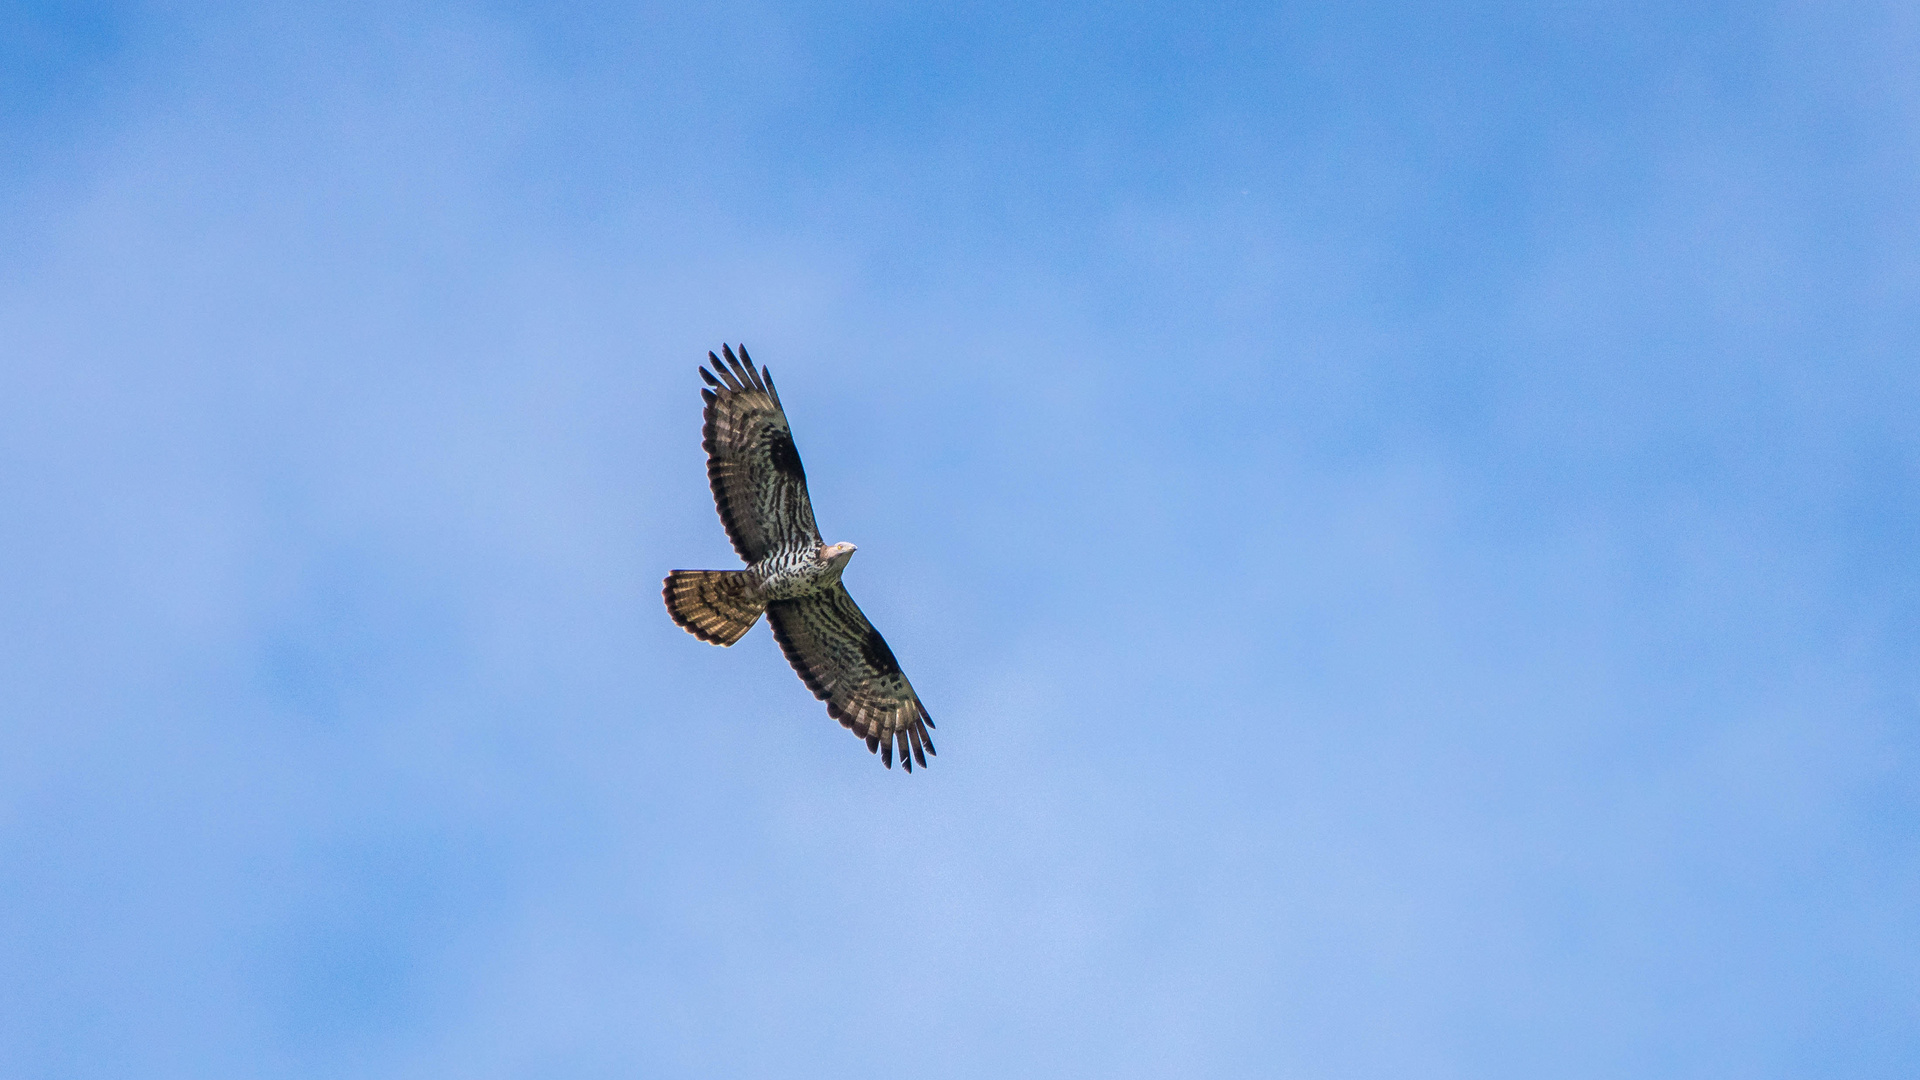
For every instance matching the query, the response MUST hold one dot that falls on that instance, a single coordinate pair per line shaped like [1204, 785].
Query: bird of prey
[791, 574]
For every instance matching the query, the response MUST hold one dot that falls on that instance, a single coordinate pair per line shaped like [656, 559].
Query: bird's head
[837, 554]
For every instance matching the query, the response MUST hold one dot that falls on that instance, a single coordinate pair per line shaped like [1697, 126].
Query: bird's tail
[719, 606]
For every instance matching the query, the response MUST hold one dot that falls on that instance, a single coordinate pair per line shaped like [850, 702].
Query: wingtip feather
[741, 372]
[746, 361]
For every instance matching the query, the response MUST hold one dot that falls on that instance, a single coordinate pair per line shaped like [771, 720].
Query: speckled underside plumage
[760, 490]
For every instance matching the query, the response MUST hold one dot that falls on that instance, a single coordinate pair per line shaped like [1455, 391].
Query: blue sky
[1404, 515]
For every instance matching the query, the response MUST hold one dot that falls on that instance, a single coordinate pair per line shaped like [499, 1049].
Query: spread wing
[846, 663]
[758, 484]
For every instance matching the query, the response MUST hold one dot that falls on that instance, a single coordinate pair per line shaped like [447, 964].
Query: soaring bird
[792, 575]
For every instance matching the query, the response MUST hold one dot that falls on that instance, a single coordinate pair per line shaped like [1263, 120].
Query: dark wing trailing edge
[758, 484]
[846, 663]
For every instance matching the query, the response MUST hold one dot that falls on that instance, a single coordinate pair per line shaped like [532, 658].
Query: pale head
[839, 553]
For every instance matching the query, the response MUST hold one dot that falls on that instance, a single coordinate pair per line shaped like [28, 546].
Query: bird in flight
[792, 575]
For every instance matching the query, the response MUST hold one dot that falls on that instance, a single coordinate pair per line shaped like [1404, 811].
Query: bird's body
[760, 490]
[790, 575]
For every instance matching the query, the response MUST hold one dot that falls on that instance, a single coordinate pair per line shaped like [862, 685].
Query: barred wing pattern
[758, 483]
[846, 663]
